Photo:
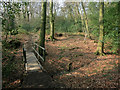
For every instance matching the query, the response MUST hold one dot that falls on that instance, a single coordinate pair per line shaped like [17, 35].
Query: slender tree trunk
[82, 20]
[43, 25]
[71, 13]
[51, 21]
[31, 15]
[23, 12]
[76, 15]
[86, 21]
[24, 15]
[31, 11]
[26, 11]
[54, 12]
[28, 15]
[119, 27]
[101, 27]
[79, 15]
[6, 36]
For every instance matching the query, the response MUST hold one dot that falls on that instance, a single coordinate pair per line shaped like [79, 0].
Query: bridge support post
[44, 55]
[24, 57]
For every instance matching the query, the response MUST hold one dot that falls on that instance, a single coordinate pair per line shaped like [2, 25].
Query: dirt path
[36, 80]
[28, 43]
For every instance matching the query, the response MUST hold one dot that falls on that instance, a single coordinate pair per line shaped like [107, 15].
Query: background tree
[119, 27]
[101, 27]
[80, 16]
[43, 26]
[8, 17]
[51, 21]
[93, 18]
[86, 20]
[69, 18]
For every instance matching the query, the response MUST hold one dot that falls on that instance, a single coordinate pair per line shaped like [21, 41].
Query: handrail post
[44, 55]
[36, 49]
[24, 56]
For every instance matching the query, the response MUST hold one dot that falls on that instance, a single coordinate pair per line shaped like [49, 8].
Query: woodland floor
[87, 69]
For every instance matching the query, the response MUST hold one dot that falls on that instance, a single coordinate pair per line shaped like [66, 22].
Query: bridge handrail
[39, 46]
[38, 54]
[43, 58]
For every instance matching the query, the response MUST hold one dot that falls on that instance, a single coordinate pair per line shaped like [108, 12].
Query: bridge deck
[32, 62]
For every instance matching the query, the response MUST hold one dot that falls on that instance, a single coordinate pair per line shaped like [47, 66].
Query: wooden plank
[32, 64]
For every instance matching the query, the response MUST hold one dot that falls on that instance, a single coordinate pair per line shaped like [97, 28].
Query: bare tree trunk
[119, 27]
[28, 15]
[24, 11]
[51, 21]
[6, 36]
[70, 13]
[86, 21]
[76, 14]
[43, 26]
[27, 11]
[82, 20]
[101, 27]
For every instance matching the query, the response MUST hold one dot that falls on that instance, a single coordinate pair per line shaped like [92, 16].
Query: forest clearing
[60, 45]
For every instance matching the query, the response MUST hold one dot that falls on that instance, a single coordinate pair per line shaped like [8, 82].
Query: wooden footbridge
[32, 58]
[35, 75]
